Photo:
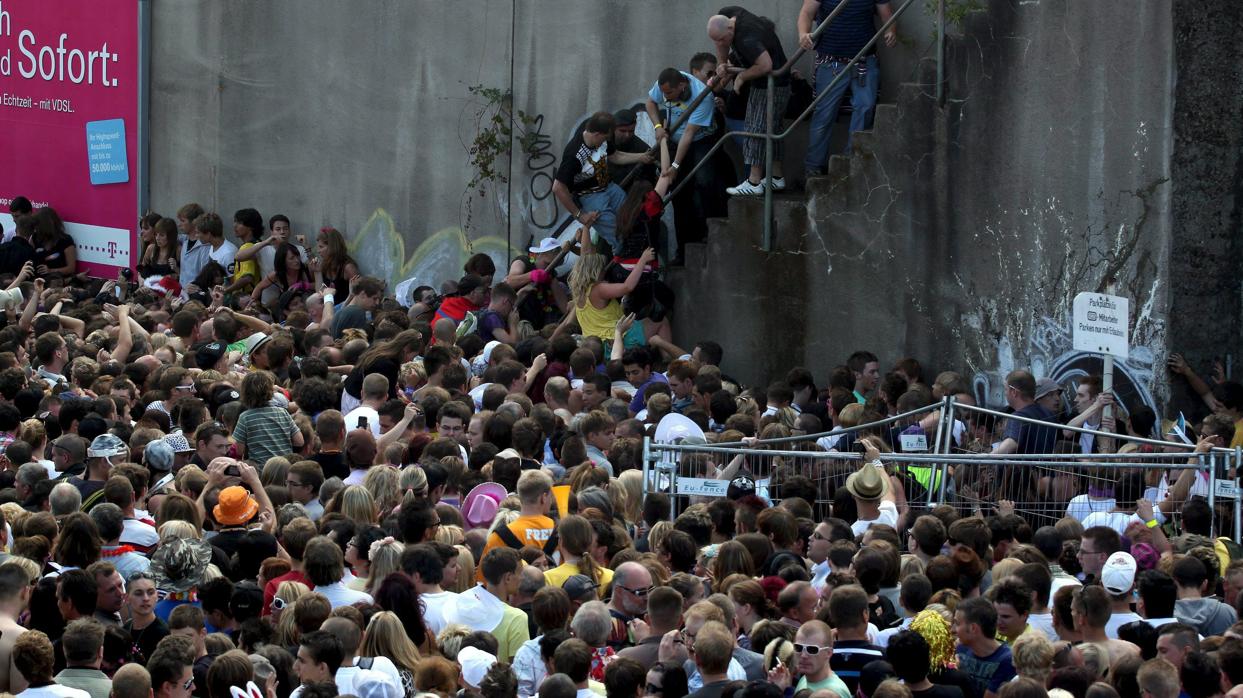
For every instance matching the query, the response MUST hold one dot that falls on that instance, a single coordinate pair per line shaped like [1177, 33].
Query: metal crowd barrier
[1042, 486]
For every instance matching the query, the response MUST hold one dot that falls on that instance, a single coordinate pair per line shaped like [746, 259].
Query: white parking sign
[1101, 324]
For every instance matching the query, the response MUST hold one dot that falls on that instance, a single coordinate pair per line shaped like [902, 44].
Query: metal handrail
[815, 36]
[1083, 430]
[769, 136]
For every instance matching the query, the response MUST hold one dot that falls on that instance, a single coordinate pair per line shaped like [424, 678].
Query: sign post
[1101, 325]
[72, 120]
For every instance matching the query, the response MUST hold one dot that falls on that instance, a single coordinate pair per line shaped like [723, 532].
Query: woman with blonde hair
[631, 489]
[597, 303]
[286, 633]
[386, 637]
[660, 531]
[450, 640]
[575, 539]
[384, 484]
[356, 504]
[465, 571]
[450, 535]
[384, 559]
[172, 530]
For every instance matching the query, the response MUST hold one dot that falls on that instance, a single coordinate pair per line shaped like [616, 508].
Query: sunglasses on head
[653, 689]
[809, 650]
[279, 604]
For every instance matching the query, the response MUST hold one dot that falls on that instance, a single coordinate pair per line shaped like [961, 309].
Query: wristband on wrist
[1152, 524]
[658, 126]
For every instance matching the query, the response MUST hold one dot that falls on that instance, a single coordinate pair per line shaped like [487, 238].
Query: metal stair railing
[768, 135]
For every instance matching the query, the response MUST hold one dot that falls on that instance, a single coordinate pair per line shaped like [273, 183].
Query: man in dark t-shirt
[625, 141]
[747, 41]
[847, 35]
[848, 608]
[583, 184]
[909, 655]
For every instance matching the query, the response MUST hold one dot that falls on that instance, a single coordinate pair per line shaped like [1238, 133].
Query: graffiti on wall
[381, 249]
[1050, 354]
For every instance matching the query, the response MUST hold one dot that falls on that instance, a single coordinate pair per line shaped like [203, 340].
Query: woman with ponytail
[751, 606]
[575, 539]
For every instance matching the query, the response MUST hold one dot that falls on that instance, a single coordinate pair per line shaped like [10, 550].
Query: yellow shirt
[250, 267]
[556, 577]
[598, 322]
[1238, 435]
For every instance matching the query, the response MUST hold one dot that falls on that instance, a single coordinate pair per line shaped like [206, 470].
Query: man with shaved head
[744, 40]
[631, 585]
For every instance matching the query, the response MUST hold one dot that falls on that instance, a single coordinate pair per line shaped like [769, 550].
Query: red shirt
[269, 591]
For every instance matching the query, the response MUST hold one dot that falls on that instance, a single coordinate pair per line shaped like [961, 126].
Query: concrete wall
[357, 115]
[960, 236]
[1207, 195]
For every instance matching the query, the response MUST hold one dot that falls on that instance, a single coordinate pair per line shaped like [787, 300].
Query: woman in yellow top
[597, 304]
[575, 539]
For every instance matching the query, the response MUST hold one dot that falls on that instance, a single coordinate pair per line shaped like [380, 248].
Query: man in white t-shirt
[1118, 578]
[222, 251]
[874, 498]
[426, 568]
[374, 393]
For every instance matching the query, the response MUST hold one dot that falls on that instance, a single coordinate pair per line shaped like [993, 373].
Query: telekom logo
[112, 250]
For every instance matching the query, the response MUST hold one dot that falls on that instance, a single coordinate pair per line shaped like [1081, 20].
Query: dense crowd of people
[333, 490]
[250, 469]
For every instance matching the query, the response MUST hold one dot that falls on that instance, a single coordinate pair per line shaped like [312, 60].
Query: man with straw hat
[874, 498]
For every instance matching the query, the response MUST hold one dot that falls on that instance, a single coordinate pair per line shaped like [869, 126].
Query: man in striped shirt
[848, 609]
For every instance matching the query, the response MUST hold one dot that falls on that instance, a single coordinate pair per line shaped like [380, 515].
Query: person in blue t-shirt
[673, 93]
[981, 657]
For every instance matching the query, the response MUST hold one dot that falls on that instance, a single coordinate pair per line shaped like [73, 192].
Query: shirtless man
[14, 595]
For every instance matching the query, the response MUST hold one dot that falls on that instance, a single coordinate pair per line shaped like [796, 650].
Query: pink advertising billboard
[71, 84]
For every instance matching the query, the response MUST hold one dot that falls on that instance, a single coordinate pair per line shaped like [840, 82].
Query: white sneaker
[779, 183]
[746, 188]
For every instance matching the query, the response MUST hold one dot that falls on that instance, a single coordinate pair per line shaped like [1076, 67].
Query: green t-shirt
[831, 682]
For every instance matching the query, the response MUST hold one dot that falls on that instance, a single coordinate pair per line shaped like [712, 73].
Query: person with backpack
[533, 527]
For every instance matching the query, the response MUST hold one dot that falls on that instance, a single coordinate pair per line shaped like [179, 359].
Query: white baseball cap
[545, 245]
[1118, 574]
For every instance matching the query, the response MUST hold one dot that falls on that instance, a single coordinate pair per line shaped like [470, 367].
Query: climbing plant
[496, 121]
[956, 11]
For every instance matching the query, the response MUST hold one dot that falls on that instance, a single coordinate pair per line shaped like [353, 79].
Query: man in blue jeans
[582, 184]
[849, 32]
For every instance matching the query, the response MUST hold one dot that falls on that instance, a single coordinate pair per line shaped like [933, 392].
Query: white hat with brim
[545, 245]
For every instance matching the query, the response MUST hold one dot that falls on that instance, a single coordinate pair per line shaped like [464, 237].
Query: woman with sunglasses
[144, 626]
[666, 680]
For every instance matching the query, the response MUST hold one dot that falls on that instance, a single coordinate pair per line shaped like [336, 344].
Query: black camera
[128, 274]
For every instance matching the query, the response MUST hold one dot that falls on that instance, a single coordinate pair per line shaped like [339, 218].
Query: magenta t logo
[112, 250]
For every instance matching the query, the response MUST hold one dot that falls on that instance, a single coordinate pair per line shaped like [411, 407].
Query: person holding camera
[238, 506]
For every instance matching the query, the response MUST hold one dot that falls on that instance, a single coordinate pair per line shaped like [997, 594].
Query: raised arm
[28, 314]
[1186, 478]
[393, 435]
[606, 291]
[125, 336]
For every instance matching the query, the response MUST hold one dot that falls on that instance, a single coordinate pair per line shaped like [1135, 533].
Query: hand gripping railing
[768, 135]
